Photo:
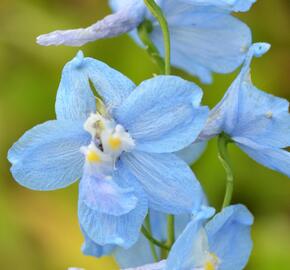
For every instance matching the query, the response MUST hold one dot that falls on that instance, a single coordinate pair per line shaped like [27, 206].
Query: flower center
[109, 140]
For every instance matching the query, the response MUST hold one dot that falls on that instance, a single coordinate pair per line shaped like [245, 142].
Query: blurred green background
[40, 230]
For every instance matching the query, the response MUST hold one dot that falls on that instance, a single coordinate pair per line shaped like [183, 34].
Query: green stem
[223, 155]
[151, 244]
[144, 31]
[158, 14]
[170, 231]
[151, 239]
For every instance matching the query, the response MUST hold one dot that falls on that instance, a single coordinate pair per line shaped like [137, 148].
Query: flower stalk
[158, 14]
[170, 231]
[151, 239]
[148, 234]
[144, 31]
[223, 141]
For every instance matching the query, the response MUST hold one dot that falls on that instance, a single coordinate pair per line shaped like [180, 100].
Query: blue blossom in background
[259, 123]
[224, 243]
[205, 36]
[121, 151]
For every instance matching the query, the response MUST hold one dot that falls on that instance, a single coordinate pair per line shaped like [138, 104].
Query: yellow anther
[93, 157]
[212, 262]
[209, 266]
[114, 142]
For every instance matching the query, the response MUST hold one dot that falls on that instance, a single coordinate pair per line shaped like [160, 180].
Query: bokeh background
[40, 230]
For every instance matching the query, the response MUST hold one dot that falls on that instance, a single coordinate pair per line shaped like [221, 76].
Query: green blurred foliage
[40, 230]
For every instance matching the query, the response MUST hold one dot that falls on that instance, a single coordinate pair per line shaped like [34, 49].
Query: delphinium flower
[205, 37]
[223, 243]
[259, 123]
[122, 149]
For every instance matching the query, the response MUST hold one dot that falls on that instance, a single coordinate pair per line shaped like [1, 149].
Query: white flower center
[109, 140]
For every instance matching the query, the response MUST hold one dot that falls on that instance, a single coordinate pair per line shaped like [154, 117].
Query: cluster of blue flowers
[129, 146]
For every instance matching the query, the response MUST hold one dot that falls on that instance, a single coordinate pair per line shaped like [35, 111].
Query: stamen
[93, 157]
[209, 266]
[111, 139]
[114, 142]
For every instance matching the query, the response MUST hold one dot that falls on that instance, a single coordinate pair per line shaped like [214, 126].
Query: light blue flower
[259, 123]
[123, 156]
[205, 36]
[224, 243]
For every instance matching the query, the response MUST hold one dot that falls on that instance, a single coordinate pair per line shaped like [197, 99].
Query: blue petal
[228, 5]
[122, 230]
[192, 153]
[126, 19]
[229, 237]
[75, 100]
[110, 84]
[225, 115]
[105, 196]
[204, 41]
[163, 177]
[188, 250]
[163, 114]
[48, 156]
[90, 248]
[263, 118]
[273, 158]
